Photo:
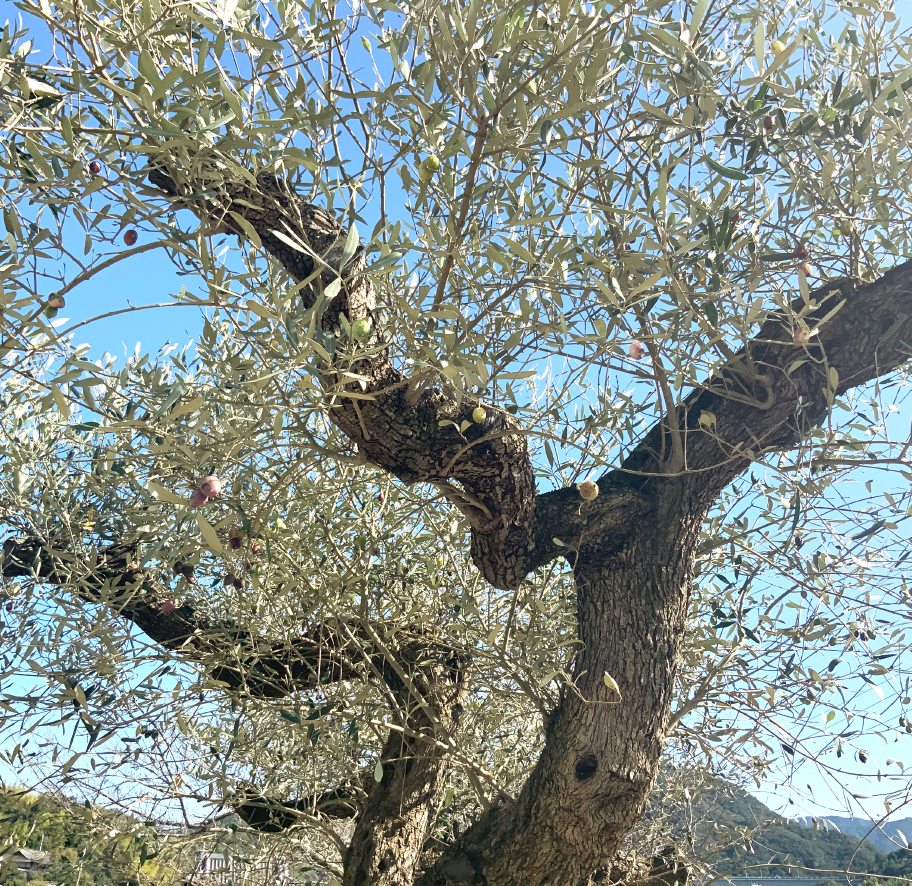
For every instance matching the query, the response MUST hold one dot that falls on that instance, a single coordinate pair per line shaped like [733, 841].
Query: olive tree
[543, 431]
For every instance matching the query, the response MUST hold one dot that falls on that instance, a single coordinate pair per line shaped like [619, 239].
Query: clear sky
[150, 279]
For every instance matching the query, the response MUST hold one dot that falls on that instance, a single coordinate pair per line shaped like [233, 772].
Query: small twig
[474, 163]
[462, 500]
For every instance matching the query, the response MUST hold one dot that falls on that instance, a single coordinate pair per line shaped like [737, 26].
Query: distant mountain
[883, 836]
[737, 831]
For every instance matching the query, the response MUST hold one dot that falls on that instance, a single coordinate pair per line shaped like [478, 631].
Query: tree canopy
[86, 846]
[545, 428]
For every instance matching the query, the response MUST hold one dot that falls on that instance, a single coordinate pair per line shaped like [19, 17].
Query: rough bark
[630, 869]
[393, 815]
[394, 824]
[764, 399]
[760, 400]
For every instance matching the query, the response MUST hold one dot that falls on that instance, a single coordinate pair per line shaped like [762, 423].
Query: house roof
[35, 855]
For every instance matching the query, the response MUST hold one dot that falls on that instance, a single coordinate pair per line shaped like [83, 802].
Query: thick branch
[426, 677]
[240, 659]
[767, 397]
[789, 387]
[408, 427]
[632, 547]
[603, 747]
[394, 815]
[604, 741]
[395, 822]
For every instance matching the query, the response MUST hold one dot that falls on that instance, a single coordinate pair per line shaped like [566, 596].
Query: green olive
[361, 329]
[428, 168]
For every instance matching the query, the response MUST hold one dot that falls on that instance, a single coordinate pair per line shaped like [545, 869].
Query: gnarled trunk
[634, 542]
[394, 824]
[602, 749]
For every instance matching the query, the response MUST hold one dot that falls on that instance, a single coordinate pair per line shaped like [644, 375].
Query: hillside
[898, 864]
[724, 827]
[93, 846]
[884, 837]
[735, 830]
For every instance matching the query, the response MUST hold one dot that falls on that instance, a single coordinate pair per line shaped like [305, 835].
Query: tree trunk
[394, 824]
[602, 749]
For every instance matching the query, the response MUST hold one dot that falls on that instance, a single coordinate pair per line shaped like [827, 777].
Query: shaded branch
[273, 816]
[239, 659]
[665, 869]
[395, 814]
[427, 679]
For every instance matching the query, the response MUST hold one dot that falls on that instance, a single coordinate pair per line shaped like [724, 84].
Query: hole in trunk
[586, 767]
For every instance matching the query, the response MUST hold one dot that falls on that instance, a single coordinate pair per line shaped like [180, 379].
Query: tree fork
[603, 747]
[632, 547]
